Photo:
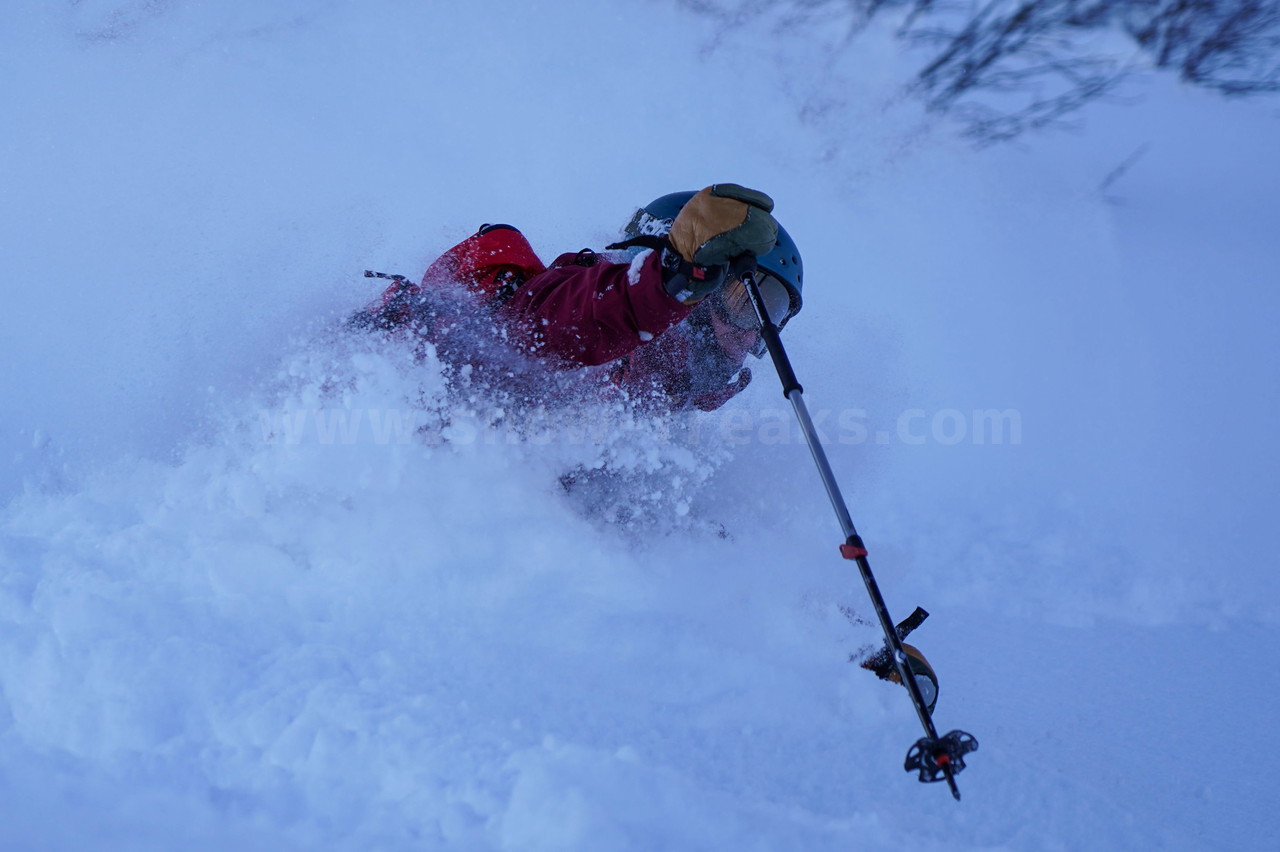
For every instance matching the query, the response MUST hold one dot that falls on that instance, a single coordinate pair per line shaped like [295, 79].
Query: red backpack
[491, 263]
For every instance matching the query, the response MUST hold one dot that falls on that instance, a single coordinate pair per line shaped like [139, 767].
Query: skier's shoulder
[489, 262]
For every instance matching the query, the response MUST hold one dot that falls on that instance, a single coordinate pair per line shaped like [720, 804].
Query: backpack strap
[643, 241]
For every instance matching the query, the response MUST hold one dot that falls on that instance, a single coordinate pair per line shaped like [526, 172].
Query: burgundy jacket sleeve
[587, 315]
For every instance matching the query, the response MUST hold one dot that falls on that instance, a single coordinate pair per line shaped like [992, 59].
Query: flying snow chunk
[633, 271]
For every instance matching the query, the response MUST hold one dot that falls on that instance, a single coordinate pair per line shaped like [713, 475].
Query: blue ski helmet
[783, 262]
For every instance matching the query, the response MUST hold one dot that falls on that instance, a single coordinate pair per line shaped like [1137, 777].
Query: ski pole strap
[911, 622]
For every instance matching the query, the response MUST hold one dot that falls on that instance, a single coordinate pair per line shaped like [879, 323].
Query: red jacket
[582, 311]
[586, 311]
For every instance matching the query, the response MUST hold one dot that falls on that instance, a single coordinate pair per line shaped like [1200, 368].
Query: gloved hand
[720, 223]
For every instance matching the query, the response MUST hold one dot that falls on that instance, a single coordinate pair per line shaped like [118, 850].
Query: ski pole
[934, 757]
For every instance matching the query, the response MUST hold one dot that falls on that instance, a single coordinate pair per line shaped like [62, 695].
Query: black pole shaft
[853, 547]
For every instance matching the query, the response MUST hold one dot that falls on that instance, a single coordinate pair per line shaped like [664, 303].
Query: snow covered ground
[243, 603]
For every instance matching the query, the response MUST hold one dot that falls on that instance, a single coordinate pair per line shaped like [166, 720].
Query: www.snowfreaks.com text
[852, 426]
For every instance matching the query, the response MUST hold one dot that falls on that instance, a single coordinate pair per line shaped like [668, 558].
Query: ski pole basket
[935, 758]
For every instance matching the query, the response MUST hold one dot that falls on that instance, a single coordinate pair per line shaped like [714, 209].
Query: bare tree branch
[982, 57]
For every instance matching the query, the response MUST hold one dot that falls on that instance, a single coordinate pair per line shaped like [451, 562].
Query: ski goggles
[736, 308]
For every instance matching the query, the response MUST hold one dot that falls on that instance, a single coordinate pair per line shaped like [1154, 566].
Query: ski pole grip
[744, 267]
[781, 363]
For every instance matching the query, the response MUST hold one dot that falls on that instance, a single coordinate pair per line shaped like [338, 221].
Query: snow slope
[243, 602]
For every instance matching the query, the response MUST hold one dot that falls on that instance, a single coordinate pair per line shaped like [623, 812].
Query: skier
[671, 321]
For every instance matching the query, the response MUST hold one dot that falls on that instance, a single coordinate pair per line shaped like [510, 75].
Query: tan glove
[722, 222]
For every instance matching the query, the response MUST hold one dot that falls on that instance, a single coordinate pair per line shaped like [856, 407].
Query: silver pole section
[820, 458]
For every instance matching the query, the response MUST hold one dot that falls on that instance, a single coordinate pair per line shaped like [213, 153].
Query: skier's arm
[594, 314]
